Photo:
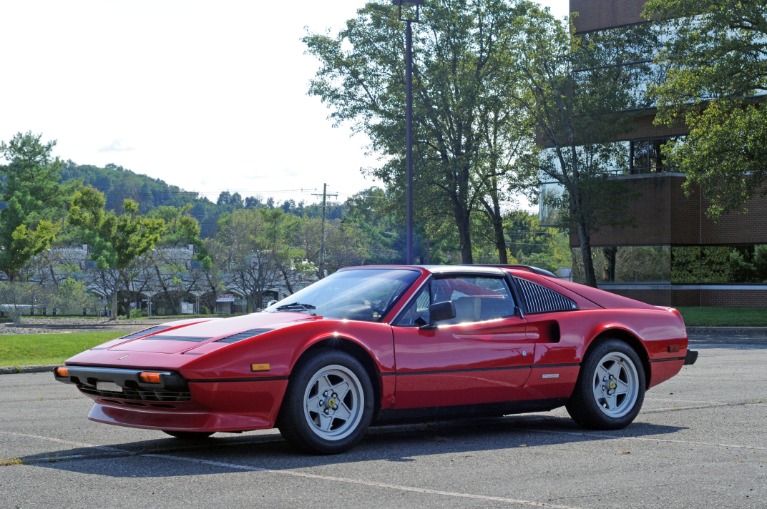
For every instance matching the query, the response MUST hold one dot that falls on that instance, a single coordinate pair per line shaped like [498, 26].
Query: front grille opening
[130, 395]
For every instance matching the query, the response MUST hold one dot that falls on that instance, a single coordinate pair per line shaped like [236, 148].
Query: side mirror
[438, 312]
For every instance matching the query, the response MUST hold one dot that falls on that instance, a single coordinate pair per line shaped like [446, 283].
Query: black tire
[328, 404]
[189, 435]
[610, 389]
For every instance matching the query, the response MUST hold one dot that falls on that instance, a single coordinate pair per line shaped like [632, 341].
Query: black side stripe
[229, 380]
[479, 370]
[671, 359]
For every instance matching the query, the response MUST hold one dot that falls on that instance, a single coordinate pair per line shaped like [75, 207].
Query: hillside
[117, 184]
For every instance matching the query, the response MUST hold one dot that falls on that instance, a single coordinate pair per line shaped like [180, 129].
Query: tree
[254, 249]
[461, 102]
[33, 199]
[533, 244]
[716, 77]
[280, 238]
[116, 241]
[177, 267]
[574, 88]
[371, 215]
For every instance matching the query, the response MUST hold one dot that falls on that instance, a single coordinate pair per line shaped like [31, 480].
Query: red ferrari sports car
[381, 344]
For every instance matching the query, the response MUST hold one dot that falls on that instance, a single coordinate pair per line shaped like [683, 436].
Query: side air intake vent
[539, 299]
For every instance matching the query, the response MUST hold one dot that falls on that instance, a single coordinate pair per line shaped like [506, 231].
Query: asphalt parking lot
[699, 441]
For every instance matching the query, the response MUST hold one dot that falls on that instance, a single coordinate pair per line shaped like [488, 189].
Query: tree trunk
[493, 212]
[114, 305]
[464, 235]
[500, 242]
[588, 262]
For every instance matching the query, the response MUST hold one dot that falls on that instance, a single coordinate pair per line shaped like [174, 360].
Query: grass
[724, 317]
[47, 349]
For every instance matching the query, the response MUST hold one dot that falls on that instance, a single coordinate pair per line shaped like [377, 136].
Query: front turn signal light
[150, 377]
[62, 371]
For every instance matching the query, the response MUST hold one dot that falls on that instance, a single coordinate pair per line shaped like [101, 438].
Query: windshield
[357, 294]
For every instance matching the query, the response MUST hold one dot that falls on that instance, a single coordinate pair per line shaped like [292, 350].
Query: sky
[207, 96]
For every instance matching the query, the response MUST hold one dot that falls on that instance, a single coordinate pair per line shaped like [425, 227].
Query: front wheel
[610, 388]
[328, 405]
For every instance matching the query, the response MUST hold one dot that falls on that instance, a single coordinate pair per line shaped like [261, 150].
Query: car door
[482, 355]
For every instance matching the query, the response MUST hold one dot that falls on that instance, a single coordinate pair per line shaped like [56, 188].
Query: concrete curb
[13, 370]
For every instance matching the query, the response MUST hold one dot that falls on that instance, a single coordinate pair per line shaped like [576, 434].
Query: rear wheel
[610, 388]
[328, 405]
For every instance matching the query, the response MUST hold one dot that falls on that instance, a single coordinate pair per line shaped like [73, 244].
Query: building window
[646, 156]
[719, 264]
[627, 264]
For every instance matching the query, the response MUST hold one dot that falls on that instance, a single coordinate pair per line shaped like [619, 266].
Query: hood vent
[144, 332]
[242, 335]
[191, 339]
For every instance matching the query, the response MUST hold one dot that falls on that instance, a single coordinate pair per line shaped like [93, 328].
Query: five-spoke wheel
[610, 389]
[328, 405]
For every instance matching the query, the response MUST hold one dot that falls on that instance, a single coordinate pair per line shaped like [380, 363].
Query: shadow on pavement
[222, 453]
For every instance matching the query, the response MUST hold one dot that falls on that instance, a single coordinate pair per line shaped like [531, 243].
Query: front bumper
[126, 384]
[691, 357]
[176, 404]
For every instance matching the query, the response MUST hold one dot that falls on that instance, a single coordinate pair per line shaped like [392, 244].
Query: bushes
[71, 297]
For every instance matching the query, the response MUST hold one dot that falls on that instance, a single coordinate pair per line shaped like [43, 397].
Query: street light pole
[411, 16]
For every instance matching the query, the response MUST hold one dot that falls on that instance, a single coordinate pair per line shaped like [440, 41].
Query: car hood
[189, 336]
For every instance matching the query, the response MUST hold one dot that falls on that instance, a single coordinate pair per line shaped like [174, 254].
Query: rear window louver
[539, 299]
[242, 335]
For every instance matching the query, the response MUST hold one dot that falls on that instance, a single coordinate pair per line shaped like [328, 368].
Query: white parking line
[372, 484]
[236, 466]
[60, 441]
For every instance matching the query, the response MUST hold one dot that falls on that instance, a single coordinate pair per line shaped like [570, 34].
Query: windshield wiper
[297, 306]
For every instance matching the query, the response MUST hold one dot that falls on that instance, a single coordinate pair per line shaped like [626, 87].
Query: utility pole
[322, 239]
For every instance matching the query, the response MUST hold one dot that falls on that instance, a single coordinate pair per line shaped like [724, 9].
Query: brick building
[674, 255]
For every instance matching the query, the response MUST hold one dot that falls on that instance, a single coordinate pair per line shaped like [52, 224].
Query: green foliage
[33, 200]
[72, 296]
[572, 89]
[373, 215]
[466, 133]
[116, 241]
[716, 76]
[701, 265]
[536, 245]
